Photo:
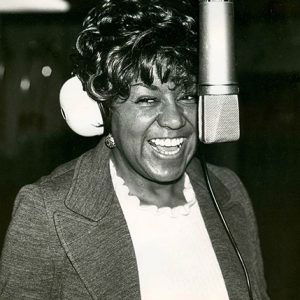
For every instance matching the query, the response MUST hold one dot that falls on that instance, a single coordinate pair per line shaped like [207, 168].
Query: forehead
[176, 85]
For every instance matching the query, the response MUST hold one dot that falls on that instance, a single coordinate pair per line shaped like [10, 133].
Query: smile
[167, 146]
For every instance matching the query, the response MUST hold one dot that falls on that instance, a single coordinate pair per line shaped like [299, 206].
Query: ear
[81, 112]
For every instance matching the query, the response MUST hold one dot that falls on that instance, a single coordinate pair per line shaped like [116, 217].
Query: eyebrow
[150, 87]
[153, 87]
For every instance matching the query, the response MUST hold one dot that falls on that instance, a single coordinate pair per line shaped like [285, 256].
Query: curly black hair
[126, 40]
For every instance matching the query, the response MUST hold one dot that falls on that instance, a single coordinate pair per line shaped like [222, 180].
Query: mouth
[167, 146]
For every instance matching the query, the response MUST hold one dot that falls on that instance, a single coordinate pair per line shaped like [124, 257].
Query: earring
[110, 142]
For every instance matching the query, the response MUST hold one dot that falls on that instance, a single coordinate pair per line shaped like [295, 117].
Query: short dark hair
[124, 40]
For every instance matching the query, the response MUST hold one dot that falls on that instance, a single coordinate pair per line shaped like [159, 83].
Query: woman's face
[155, 130]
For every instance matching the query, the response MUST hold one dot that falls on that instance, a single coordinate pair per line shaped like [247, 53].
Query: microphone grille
[218, 118]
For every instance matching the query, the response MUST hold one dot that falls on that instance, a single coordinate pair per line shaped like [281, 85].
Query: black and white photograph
[149, 149]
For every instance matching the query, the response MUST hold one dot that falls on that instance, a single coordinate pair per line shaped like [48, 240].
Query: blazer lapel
[95, 235]
[231, 269]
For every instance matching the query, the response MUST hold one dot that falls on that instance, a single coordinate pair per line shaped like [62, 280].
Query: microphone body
[218, 89]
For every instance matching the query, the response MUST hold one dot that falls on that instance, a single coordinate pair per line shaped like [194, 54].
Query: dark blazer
[68, 238]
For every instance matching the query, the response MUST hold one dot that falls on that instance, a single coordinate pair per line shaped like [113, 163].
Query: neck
[150, 192]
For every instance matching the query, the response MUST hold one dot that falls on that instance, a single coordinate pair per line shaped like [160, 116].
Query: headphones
[80, 111]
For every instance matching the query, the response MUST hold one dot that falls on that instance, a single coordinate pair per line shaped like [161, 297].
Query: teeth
[169, 152]
[175, 142]
[167, 146]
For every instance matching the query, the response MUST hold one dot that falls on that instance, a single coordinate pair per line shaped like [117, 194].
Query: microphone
[218, 89]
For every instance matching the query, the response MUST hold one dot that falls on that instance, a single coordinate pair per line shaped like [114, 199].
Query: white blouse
[175, 257]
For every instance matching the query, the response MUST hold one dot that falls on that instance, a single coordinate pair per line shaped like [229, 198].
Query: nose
[171, 116]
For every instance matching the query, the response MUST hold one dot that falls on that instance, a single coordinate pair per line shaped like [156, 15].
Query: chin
[165, 175]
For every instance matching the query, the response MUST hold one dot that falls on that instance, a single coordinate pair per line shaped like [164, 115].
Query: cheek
[129, 127]
[191, 115]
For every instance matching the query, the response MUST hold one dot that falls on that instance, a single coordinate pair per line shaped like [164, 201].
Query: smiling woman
[156, 134]
[132, 218]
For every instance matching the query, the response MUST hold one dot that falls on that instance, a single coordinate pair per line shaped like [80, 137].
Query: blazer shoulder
[224, 182]
[226, 175]
[55, 186]
[63, 174]
[233, 183]
[59, 172]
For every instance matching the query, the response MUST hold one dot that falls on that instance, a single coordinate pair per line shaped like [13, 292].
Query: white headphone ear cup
[80, 111]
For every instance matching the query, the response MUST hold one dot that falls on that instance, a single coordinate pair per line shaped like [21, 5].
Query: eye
[188, 99]
[146, 101]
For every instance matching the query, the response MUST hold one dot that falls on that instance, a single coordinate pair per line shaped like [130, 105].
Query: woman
[132, 218]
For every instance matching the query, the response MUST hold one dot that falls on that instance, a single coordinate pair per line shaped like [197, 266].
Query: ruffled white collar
[134, 202]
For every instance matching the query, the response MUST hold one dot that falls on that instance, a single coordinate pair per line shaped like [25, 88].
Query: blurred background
[35, 45]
